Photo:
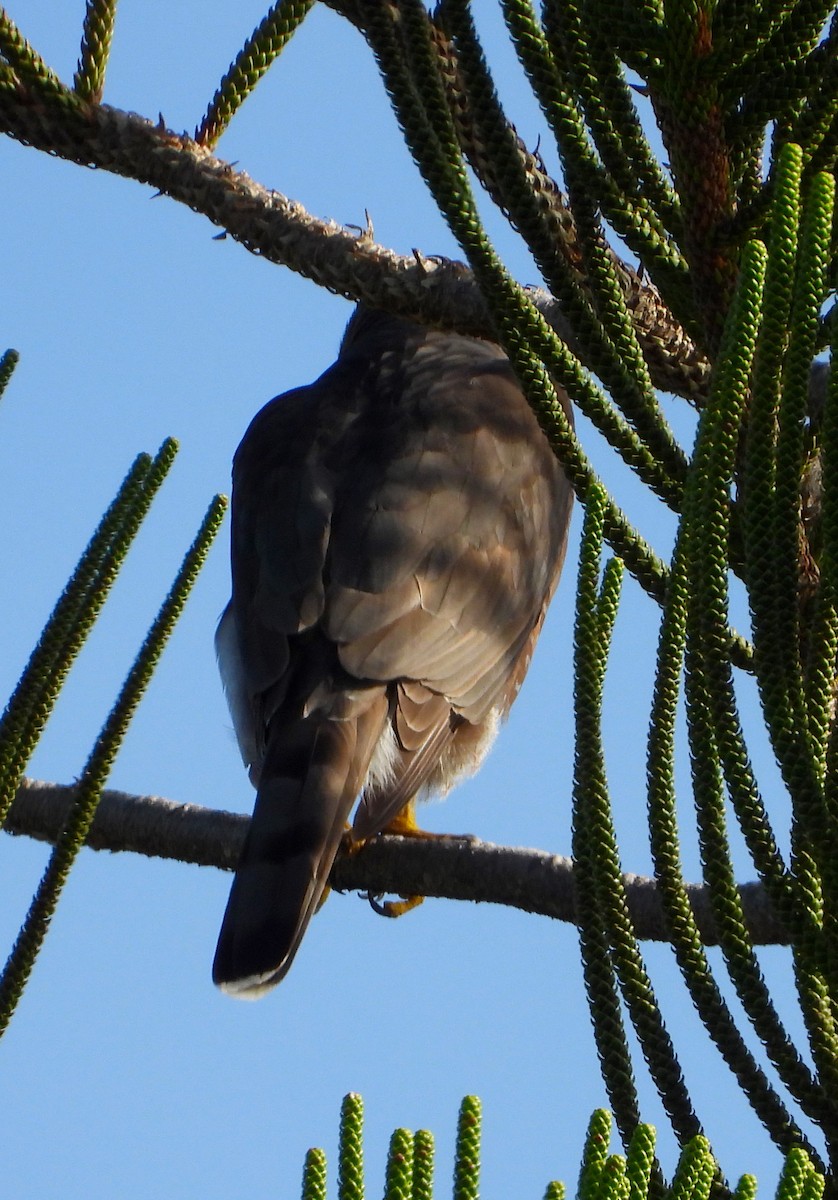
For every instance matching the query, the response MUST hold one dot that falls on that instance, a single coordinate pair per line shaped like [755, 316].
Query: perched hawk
[398, 529]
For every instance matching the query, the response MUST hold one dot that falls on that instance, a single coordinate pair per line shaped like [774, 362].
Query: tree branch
[435, 291]
[447, 868]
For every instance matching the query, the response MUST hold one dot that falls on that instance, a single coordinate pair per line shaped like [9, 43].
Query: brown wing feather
[481, 536]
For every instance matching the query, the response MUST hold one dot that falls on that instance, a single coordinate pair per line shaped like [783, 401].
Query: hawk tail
[313, 770]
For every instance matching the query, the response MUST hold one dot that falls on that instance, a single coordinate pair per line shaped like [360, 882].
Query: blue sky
[124, 1071]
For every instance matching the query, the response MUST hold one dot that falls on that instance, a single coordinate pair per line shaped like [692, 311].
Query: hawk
[398, 530]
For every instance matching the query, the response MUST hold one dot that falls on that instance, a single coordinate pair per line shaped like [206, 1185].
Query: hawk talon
[394, 908]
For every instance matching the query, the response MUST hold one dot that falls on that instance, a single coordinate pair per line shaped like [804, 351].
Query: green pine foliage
[602, 1175]
[33, 699]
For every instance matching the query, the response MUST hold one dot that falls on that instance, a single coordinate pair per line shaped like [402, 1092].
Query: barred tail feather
[312, 773]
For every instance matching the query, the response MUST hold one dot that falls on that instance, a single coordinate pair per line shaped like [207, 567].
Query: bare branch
[448, 868]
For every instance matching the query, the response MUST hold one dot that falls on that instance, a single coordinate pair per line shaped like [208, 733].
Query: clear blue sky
[124, 1072]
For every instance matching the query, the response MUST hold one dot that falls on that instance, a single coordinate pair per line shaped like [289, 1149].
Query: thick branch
[274, 227]
[449, 868]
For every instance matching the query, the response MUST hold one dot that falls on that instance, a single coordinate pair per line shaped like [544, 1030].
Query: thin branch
[447, 868]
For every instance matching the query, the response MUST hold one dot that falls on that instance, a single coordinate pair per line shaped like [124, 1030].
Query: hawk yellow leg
[403, 825]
